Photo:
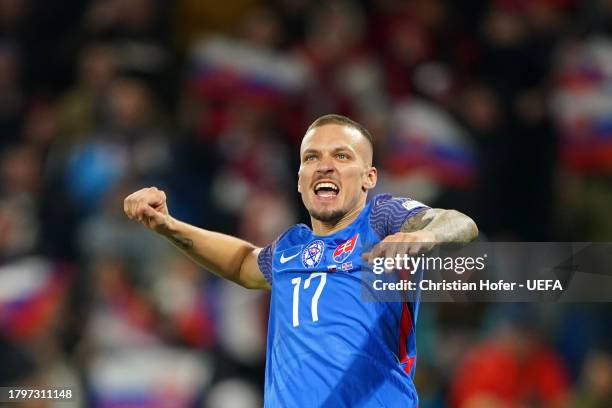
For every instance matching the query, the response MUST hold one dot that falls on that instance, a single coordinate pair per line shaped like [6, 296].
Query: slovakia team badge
[345, 249]
[313, 253]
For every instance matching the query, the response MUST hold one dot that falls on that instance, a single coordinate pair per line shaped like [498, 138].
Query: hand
[148, 206]
[409, 243]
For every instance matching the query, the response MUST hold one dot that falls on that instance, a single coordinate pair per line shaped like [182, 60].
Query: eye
[342, 156]
[309, 157]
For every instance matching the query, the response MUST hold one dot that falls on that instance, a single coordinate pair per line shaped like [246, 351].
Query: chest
[320, 281]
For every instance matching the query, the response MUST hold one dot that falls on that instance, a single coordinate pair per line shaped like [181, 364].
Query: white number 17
[315, 299]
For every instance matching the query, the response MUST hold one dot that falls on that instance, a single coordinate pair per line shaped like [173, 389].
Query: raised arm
[226, 256]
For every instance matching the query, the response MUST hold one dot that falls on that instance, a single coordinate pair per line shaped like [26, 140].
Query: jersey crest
[313, 253]
[345, 249]
[327, 343]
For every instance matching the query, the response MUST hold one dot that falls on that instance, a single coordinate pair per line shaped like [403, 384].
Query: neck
[326, 228]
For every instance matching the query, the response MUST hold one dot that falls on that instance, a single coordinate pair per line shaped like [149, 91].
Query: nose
[325, 165]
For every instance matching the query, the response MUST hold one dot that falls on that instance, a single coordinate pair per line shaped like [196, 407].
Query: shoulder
[385, 203]
[388, 213]
[295, 233]
[292, 236]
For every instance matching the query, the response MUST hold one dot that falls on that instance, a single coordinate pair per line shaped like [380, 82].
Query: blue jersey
[327, 347]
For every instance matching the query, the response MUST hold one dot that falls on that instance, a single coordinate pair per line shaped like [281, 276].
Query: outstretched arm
[226, 256]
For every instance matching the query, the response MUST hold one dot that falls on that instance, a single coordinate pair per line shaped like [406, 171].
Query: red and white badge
[342, 251]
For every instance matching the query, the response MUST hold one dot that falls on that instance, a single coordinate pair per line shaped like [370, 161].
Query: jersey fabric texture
[327, 347]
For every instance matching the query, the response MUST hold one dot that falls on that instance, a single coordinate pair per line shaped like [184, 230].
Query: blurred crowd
[501, 109]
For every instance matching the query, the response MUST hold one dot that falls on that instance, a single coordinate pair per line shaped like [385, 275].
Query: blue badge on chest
[313, 253]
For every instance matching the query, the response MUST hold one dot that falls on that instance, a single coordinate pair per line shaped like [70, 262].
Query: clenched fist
[148, 206]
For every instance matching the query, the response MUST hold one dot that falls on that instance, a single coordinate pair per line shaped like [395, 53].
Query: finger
[142, 212]
[144, 216]
[388, 247]
[406, 249]
[134, 208]
[155, 197]
[155, 218]
[401, 248]
[125, 206]
[414, 249]
[136, 211]
[391, 251]
[161, 198]
[149, 212]
[149, 219]
[376, 252]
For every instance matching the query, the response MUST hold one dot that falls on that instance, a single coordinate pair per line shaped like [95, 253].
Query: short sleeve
[389, 213]
[265, 257]
[264, 260]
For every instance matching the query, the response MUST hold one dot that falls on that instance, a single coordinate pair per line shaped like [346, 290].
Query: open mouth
[326, 189]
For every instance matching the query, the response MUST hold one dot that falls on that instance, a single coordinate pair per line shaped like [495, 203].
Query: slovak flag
[342, 251]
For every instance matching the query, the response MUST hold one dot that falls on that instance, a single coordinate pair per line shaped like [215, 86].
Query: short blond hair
[342, 120]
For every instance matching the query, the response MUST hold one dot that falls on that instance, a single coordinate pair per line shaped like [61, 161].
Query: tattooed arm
[423, 231]
[226, 256]
[445, 225]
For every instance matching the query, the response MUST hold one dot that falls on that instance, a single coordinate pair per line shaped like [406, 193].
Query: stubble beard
[328, 217]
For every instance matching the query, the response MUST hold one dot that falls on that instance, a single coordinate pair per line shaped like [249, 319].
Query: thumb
[155, 218]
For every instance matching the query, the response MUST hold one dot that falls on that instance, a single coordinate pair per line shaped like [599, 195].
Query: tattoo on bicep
[447, 225]
[183, 243]
[418, 221]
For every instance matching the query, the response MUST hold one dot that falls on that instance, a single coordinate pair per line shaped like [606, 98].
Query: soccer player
[327, 347]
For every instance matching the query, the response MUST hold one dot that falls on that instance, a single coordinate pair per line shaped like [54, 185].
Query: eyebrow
[334, 150]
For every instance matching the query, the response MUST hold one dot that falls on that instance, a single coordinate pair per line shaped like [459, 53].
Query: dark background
[500, 109]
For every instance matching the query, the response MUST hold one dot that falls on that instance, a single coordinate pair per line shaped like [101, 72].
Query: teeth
[326, 185]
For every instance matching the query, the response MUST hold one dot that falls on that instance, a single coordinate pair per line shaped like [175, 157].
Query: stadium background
[500, 109]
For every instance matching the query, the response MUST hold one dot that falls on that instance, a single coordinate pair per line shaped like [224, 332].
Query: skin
[228, 257]
[333, 153]
[421, 232]
[340, 155]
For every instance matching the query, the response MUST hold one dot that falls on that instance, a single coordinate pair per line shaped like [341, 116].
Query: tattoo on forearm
[183, 243]
[447, 225]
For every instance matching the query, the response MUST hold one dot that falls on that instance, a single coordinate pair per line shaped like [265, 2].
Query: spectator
[512, 368]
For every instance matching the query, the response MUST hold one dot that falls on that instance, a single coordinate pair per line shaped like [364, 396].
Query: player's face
[335, 171]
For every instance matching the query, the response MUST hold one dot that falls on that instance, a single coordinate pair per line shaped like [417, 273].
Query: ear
[370, 179]
[298, 183]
